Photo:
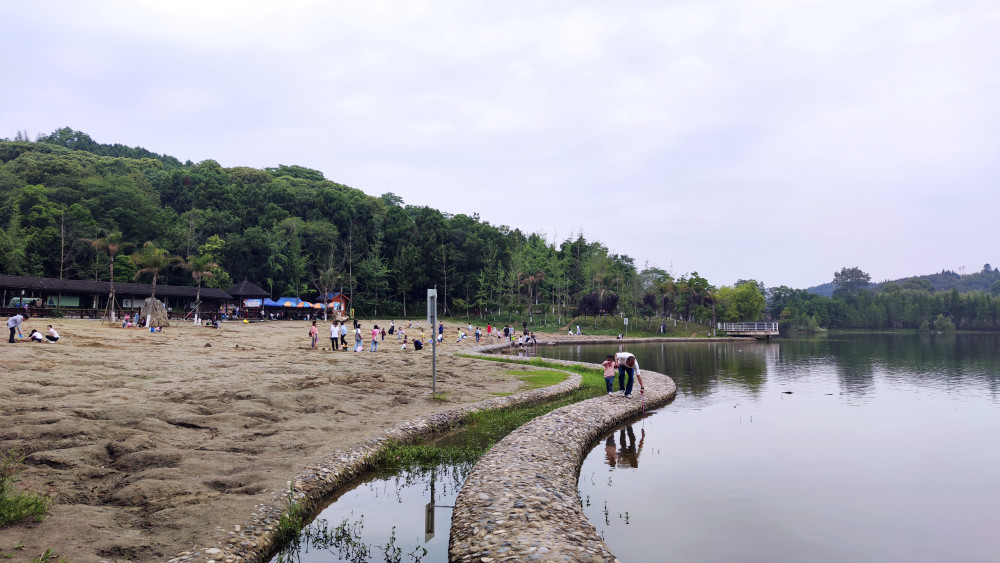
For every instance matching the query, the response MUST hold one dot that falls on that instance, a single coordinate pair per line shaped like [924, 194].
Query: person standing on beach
[627, 364]
[343, 336]
[357, 337]
[314, 335]
[334, 336]
[14, 324]
[375, 335]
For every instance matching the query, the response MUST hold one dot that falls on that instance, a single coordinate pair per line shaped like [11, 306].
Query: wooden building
[89, 298]
[339, 303]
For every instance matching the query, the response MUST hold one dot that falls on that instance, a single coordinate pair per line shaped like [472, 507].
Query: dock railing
[750, 329]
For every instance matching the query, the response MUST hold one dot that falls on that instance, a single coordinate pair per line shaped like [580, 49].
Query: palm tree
[152, 260]
[200, 267]
[111, 244]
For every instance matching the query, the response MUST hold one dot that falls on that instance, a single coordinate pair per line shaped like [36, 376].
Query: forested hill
[984, 280]
[67, 203]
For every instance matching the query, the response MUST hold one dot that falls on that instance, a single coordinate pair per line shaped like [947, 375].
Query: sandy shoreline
[152, 443]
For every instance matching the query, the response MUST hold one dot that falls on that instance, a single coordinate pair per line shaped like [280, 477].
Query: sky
[772, 140]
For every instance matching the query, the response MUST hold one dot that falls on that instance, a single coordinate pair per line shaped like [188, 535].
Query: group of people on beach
[339, 331]
[14, 324]
[339, 334]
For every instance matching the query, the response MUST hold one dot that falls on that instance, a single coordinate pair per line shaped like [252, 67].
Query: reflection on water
[401, 517]
[853, 448]
[628, 454]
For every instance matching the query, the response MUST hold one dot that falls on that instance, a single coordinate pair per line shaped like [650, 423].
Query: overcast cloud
[775, 140]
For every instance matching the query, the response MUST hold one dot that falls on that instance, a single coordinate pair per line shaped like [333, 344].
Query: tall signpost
[432, 296]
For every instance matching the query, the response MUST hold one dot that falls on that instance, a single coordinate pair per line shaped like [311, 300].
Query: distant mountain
[946, 280]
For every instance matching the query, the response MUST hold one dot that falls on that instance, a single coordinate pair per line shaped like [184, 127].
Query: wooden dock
[757, 329]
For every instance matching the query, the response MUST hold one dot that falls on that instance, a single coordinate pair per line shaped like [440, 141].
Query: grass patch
[535, 379]
[291, 522]
[48, 557]
[441, 396]
[16, 505]
[481, 430]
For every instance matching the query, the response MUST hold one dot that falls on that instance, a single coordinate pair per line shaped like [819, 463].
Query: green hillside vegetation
[66, 201]
[985, 280]
[912, 303]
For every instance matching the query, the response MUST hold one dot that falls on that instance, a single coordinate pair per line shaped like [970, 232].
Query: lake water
[886, 449]
[849, 448]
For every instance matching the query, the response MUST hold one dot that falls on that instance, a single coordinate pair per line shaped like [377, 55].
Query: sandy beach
[151, 443]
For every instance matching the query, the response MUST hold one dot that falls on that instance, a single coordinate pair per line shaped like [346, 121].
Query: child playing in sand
[609, 372]
[35, 336]
[53, 336]
[404, 343]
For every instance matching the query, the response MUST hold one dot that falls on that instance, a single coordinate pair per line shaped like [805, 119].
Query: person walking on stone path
[627, 364]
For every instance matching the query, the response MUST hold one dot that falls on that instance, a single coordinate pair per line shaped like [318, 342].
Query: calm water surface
[851, 448]
[885, 449]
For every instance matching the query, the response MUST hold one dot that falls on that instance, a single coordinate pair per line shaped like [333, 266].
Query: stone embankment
[521, 501]
[519, 504]
[256, 537]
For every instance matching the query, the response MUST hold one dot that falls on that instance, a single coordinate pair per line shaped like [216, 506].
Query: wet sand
[154, 443]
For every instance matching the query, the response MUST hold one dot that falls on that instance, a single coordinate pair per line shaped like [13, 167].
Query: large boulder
[156, 311]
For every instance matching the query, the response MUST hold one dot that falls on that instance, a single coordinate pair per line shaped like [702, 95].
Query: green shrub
[16, 505]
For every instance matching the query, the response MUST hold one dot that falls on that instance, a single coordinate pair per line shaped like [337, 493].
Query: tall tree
[152, 260]
[851, 280]
[201, 267]
[111, 244]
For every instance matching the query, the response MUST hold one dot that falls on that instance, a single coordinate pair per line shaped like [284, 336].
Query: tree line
[908, 304]
[63, 197]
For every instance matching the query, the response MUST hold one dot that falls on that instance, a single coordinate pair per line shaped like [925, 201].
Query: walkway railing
[756, 329]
